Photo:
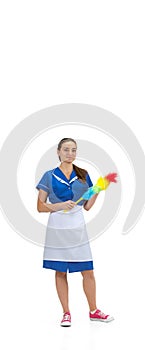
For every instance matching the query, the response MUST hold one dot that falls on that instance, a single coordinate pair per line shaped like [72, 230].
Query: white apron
[66, 237]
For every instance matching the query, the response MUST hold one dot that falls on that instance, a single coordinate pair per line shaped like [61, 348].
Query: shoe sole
[101, 320]
[66, 324]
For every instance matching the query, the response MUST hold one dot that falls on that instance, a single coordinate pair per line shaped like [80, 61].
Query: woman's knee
[88, 274]
[60, 274]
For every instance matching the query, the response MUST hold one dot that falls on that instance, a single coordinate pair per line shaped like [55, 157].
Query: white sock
[92, 312]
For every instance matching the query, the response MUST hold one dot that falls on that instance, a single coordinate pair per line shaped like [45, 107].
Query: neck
[67, 167]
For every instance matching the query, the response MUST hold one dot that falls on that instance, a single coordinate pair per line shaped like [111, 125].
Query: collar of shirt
[59, 175]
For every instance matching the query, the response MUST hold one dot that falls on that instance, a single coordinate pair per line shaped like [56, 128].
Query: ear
[58, 153]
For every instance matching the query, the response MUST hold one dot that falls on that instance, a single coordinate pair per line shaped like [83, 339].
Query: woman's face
[67, 153]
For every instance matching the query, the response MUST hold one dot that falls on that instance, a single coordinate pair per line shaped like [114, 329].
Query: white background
[61, 52]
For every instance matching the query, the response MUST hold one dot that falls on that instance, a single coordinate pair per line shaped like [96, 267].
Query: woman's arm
[88, 204]
[42, 206]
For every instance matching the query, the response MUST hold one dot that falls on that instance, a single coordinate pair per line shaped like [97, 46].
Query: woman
[66, 246]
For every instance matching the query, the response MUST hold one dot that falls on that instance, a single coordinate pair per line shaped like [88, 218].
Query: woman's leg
[62, 289]
[89, 286]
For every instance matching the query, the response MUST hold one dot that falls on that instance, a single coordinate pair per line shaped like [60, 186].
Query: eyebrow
[68, 148]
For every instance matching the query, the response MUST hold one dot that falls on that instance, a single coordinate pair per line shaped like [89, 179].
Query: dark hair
[81, 173]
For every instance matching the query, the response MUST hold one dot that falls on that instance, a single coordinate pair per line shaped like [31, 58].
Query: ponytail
[81, 173]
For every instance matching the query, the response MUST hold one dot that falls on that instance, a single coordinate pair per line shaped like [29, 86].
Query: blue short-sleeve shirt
[60, 189]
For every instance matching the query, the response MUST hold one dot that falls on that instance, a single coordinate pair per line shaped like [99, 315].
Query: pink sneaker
[98, 315]
[66, 321]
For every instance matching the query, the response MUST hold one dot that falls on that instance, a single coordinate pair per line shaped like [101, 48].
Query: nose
[70, 153]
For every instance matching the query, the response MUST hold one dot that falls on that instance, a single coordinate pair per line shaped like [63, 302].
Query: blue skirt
[70, 266]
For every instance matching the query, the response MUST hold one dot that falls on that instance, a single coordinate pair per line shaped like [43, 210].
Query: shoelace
[100, 313]
[66, 317]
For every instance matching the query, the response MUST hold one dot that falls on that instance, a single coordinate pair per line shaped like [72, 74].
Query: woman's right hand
[68, 205]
